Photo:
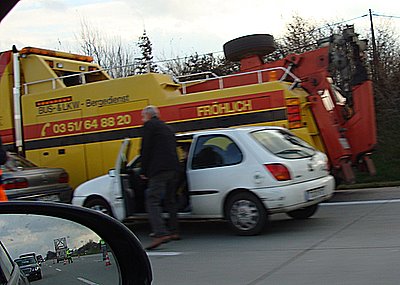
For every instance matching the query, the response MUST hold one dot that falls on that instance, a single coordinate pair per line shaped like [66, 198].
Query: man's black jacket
[3, 155]
[158, 151]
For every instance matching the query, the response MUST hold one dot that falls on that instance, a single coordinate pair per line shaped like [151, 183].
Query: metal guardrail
[259, 73]
[206, 74]
[81, 75]
[54, 80]
[208, 77]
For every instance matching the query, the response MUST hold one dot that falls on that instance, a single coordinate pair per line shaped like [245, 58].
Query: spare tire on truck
[257, 44]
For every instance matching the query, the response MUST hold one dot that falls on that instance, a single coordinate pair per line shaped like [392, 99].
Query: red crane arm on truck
[347, 127]
[348, 130]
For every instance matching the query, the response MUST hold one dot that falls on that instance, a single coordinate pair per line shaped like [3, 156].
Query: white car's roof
[229, 130]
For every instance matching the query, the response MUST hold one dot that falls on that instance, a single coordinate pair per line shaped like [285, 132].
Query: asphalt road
[367, 194]
[90, 270]
[353, 239]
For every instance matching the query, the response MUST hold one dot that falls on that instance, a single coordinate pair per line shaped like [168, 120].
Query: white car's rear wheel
[246, 214]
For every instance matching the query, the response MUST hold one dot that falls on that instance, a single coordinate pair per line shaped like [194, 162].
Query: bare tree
[175, 66]
[196, 63]
[388, 48]
[301, 35]
[387, 98]
[387, 69]
[109, 52]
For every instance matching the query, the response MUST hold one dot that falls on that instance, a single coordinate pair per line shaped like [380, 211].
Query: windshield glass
[25, 261]
[283, 144]
[15, 161]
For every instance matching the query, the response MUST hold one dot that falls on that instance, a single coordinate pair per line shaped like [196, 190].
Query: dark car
[23, 180]
[30, 267]
[10, 273]
[40, 259]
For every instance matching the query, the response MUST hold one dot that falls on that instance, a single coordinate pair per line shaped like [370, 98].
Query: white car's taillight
[326, 165]
[279, 171]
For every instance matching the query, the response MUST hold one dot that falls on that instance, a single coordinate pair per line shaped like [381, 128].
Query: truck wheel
[303, 213]
[100, 205]
[258, 44]
[246, 214]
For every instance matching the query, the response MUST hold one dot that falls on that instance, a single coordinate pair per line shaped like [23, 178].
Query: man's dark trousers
[162, 188]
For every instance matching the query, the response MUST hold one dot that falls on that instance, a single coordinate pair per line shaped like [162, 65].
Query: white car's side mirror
[111, 173]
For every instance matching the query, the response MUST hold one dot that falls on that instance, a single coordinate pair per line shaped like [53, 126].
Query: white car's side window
[215, 151]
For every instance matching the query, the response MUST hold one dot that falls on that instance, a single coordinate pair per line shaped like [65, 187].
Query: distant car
[28, 255]
[242, 175]
[23, 180]
[10, 273]
[30, 267]
[40, 259]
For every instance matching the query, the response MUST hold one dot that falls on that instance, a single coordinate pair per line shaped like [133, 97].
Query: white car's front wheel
[246, 214]
[99, 205]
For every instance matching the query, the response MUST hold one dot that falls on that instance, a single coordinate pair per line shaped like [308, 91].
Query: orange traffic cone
[3, 196]
[108, 262]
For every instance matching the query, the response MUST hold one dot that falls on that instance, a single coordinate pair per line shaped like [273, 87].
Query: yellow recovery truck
[61, 110]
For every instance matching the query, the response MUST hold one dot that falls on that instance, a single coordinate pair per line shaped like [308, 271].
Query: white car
[239, 174]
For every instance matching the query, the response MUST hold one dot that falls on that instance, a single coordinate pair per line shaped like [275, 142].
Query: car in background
[40, 259]
[10, 273]
[242, 175]
[30, 267]
[28, 255]
[23, 180]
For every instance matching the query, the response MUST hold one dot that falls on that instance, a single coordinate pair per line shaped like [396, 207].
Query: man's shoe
[158, 241]
[175, 237]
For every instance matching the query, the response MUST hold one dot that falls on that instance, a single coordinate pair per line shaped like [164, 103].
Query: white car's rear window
[283, 144]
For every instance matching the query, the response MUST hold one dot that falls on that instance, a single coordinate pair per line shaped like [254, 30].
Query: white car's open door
[122, 159]
[120, 177]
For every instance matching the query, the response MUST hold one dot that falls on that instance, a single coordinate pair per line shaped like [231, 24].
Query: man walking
[159, 165]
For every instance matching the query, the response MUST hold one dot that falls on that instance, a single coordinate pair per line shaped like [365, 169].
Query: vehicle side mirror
[130, 258]
[111, 173]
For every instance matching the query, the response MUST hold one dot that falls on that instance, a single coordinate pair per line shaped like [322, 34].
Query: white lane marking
[58, 269]
[165, 253]
[86, 281]
[370, 202]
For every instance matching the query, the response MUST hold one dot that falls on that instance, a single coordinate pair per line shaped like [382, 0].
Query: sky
[32, 233]
[176, 28]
